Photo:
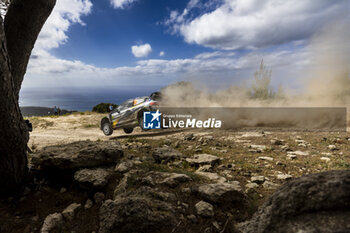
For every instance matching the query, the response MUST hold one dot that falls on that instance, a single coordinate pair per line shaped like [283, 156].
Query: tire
[140, 120]
[128, 130]
[107, 129]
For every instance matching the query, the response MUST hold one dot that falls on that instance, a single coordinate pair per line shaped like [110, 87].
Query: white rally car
[129, 114]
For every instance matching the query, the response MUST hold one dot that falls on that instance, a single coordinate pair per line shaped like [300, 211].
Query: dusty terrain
[155, 166]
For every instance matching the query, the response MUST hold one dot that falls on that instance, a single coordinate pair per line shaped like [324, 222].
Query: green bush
[103, 107]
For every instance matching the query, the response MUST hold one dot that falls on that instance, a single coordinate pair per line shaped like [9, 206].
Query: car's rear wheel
[140, 119]
[107, 129]
[128, 130]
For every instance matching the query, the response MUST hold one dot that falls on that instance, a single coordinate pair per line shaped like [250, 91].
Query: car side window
[121, 107]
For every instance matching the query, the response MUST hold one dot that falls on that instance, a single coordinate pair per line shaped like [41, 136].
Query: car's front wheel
[107, 129]
[128, 130]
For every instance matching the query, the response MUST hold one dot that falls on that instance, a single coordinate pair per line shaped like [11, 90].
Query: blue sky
[109, 33]
[156, 42]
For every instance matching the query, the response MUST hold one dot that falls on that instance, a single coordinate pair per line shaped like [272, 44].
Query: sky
[116, 43]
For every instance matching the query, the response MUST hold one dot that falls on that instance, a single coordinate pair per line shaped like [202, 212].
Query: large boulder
[166, 154]
[313, 203]
[76, 155]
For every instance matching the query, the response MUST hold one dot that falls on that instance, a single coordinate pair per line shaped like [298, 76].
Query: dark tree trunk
[18, 34]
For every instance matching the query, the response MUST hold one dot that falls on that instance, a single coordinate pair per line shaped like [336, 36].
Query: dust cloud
[326, 83]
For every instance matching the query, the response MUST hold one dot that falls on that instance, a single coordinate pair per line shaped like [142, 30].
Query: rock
[96, 177]
[52, 222]
[211, 176]
[88, 204]
[124, 166]
[203, 159]
[174, 179]
[257, 148]
[166, 154]
[298, 152]
[63, 190]
[313, 203]
[192, 218]
[333, 147]
[250, 188]
[205, 168]
[265, 158]
[204, 209]
[284, 177]
[251, 185]
[325, 159]
[277, 142]
[189, 137]
[99, 197]
[220, 193]
[291, 156]
[257, 179]
[270, 185]
[69, 212]
[76, 155]
[136, 214]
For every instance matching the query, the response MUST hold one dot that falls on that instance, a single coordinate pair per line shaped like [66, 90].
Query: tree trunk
[18, 34]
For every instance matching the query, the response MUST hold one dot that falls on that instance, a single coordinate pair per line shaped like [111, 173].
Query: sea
[81, 99]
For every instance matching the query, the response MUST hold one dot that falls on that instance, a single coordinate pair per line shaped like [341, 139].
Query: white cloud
[141, 50]
[121, 4]
[65, 13]
[162, 53]
[255, 23]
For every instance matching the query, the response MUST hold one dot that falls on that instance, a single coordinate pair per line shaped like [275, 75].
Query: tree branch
[22, 32]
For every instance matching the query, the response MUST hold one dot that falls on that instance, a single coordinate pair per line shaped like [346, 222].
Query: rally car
[129, 114]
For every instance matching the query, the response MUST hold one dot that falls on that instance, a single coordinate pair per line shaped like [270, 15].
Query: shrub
[103, 107]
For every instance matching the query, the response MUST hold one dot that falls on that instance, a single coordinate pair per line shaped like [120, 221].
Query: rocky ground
[180, 181]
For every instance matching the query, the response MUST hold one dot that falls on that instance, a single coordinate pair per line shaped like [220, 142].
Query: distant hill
[40, 111]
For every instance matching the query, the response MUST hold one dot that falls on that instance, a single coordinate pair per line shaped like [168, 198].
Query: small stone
[291, 156]
[301, 153]
[189, 137]
[63, 190]
[277, 142]
[192, 218]
[212, 176]
[332, 147]
[325, 159]
[88, 204]
[35, 218]
[251, 188]
[175, 179]
[204, 209]
[186, 190]
[205, 168]
[51, 222]
[123, 166]
[203, 159]
[69, 212]
[258, 179]
[257, 148]
[216, 225]
[99, 197]
[265, 158]
[270, 185]
[284, 177]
